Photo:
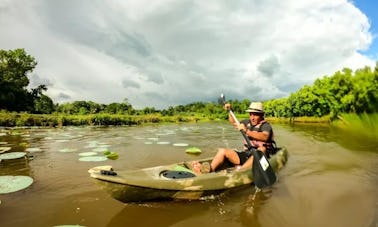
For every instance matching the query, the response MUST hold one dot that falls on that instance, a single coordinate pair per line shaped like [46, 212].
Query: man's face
[255, 118]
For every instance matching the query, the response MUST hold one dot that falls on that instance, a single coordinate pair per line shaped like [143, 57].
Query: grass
[363, 125]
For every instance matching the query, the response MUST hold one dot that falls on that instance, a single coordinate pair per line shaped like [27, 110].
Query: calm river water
[330, 179]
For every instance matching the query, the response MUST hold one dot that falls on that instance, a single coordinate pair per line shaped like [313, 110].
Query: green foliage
[344, 92]
[15, 65]
[43, 105]
[363, 127]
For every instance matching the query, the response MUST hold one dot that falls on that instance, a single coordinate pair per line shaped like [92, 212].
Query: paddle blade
[262, 172]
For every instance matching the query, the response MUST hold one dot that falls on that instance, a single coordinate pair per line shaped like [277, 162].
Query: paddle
[262, 171]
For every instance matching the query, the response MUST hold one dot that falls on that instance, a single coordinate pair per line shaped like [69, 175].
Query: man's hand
[242, 127]
[227, 106]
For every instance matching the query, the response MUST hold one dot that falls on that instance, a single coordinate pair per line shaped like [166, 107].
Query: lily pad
[193, 150]
[163, 142]
[12, 155]
[10, 184]
[180, 144]
[93, 159]
[99, 149]
[4, 149]
[66, 150]
[33, 149]
[92, 144]
[90, 153]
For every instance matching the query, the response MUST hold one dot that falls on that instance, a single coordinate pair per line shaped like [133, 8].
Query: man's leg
[222, 154]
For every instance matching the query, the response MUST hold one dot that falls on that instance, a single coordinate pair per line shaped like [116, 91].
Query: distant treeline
[346, 91]
[13, 119]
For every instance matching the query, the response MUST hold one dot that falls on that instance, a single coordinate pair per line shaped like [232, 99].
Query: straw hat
[255, 107]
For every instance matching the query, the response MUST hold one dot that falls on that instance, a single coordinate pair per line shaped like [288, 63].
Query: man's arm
[261, 136]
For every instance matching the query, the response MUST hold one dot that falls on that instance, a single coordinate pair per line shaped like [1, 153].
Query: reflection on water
[330, 178]
[157, 214]
[251, 207]
[326, 133]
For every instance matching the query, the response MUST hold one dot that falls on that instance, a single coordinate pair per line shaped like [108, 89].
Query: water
[329, 180]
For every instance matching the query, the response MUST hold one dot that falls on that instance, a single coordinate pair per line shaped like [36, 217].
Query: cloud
[130, 83]
[269, 66]
[170, 52]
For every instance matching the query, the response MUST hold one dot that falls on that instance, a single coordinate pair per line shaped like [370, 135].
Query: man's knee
[229, 153]
[222, 151]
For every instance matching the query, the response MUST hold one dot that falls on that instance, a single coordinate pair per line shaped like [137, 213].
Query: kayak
[175, 181]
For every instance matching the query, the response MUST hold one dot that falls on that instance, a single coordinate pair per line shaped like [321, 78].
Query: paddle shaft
[248, 141]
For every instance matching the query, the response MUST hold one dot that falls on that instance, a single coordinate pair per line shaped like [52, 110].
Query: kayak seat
[108, 172]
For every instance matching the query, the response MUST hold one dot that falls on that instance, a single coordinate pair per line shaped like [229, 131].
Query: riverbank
[8, 119]
[364, 123]
[59, 120]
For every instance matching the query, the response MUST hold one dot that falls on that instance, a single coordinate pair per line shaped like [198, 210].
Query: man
[258, 131]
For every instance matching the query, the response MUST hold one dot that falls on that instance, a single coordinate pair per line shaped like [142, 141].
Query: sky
[165, 53]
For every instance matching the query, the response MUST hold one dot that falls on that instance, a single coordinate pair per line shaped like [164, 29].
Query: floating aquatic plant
[66, 150]
[100, 149]
[93, 159]
[4, 149]
[90, 153]
[193, 150]
[12, 155]
[163, 142]
[10, 184]
[33, 149]
[111, 155]
[180, 144]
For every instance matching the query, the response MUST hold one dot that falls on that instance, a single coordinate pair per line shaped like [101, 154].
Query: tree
[344, 92]
[15, 65]
[365, 91]
[43, 104]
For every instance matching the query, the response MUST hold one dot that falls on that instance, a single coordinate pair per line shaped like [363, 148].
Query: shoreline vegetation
[14, 119]
[365, 126]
